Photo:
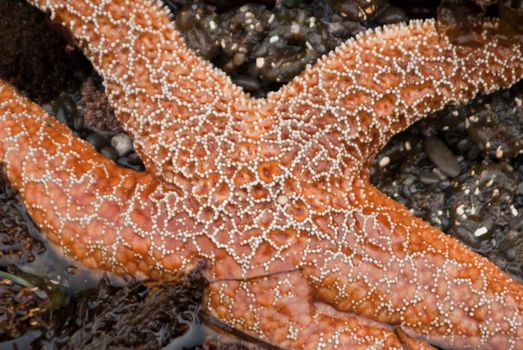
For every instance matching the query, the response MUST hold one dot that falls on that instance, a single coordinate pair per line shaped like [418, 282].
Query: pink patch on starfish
[275, 187]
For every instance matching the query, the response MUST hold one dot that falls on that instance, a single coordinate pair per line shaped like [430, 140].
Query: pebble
[497, 130]
[97, 140]
[439, 153]
[133, 158]
[517, 201]
[518, 164]
[72, 270]
[48, 108]
[109, 152]
[516, 226]
[463, 146]
[384, 162]
[392, 14]
[519, 190]
[511, 254]
[66, 111]
[474, 152]
[428, 177]
[131, 162]
[480, 231]
[122, 143]
[346, 9]
[499, 152]
[247, 83]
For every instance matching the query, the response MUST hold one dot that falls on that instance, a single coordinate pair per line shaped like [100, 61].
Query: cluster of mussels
[461, 169]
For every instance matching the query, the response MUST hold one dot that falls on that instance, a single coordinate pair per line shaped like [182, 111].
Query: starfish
[273, 193]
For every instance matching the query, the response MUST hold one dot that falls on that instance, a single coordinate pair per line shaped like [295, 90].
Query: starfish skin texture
[274, 193]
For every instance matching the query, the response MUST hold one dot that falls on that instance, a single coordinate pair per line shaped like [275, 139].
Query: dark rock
[347, 9]
[442, 156]
[358, 10]
[344, 29]
[122, 143]
[231, 3]
[419, 9]
[481, 206]
[518, 164]
[429, 178]
[243, 31]
[98, 141]
[248, 83]
[295, 38]
[474, 152]
[518, 201]
[464, 146]
[64, 108]
[18, 234]
[134, 159]
[391, 14]
[497, 130]
[109, 152]
[201, 28]
[135, 165]
[457, 18]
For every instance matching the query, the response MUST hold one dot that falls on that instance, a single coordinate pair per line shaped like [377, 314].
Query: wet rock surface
[468, 181]
[34, 57]
[457, 18]
[20, 308]
[263, 45]
[460, 169]
[441, 156]
[18, 242]
[146, 315]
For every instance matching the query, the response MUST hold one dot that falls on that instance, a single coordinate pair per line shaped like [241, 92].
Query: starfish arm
[366, 254]
[94, 210]
[354, 100]
[397, 269]
[281, 309]
[173, 104]
[101, 214]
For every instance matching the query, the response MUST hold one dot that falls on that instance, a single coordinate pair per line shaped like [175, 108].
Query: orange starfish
[276, 187]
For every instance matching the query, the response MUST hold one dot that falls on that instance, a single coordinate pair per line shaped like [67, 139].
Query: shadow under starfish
[275, 187]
